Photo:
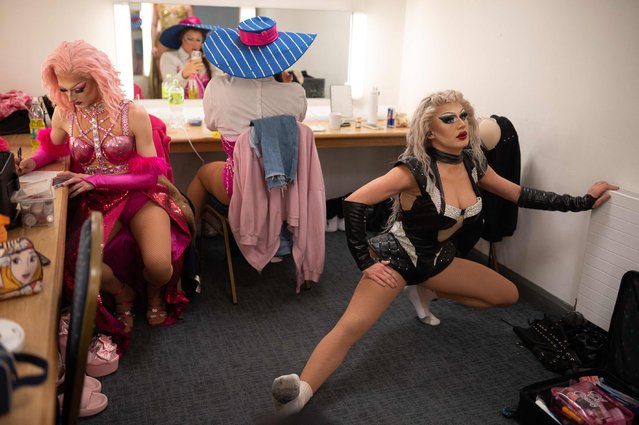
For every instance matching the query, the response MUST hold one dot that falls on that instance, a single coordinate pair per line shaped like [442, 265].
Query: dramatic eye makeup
[450, 117]
[197, 40]
[77, 89]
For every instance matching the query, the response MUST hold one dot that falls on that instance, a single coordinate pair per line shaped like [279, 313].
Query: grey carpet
[216, 366]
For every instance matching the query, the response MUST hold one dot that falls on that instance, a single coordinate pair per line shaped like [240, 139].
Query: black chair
[88, 273]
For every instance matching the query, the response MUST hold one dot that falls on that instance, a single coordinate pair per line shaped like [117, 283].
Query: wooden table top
[38, 314]
[346, 137]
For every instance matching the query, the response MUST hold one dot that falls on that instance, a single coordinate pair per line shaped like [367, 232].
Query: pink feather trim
[47, 145]
[147, 164]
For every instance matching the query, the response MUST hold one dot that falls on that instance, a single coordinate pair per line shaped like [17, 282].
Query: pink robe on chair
[256, 214]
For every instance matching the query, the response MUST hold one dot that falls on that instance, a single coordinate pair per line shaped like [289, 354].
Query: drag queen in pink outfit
[115, 170]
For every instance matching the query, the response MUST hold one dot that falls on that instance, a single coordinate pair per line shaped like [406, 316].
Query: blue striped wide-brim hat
[255, 49]
[170, 37]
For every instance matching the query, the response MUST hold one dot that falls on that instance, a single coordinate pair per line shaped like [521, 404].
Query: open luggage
[620, 369]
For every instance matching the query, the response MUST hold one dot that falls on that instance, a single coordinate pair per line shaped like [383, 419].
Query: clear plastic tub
[36, 203]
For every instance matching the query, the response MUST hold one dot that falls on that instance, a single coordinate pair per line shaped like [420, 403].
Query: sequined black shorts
[386, 247]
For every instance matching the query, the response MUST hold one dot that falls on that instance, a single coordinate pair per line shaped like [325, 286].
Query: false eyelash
[448, 119]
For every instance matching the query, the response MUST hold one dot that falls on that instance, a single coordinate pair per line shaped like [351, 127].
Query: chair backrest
[137, 92]
[88, 273]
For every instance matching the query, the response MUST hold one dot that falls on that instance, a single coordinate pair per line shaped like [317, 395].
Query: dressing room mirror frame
[327, 41]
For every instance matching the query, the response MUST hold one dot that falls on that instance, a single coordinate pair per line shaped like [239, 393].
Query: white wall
[565, 73]
[24, 45]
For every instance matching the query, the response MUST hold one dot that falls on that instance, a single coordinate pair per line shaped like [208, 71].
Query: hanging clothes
[500, 215]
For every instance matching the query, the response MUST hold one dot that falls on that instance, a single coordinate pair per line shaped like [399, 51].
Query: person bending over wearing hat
[110, 140]
[251, 56]
[183, 64]
[435, 185]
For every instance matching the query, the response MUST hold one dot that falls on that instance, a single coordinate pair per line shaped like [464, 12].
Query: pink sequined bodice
[97, 149]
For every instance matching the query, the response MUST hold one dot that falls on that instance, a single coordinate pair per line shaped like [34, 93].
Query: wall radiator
[611, 250]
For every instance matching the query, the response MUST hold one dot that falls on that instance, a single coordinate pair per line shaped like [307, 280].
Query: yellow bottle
[36, 121]
[192, 89]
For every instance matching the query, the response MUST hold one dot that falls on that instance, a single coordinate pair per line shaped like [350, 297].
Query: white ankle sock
[421, 298]
[290, 394]
[331, 225]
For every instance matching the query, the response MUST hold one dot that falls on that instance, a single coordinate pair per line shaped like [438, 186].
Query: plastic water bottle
[372, 107]
[166, 85]
[36, 121]
[176, 104]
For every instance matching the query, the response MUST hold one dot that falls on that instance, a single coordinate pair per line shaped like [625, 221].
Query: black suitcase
[621, 364]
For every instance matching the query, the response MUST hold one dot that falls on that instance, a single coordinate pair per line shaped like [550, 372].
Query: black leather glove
[550, 201]
[355, 222]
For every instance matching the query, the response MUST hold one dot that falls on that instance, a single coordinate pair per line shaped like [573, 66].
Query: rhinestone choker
[95, 109]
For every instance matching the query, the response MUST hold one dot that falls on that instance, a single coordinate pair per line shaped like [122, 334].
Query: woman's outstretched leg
[369, 302]
[207, 180]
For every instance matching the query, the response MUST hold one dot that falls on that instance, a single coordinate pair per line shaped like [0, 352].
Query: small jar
[29, 220]
[358, 122]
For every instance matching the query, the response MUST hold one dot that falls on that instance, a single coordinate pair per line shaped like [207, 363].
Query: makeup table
[346, 137]
[38, 314]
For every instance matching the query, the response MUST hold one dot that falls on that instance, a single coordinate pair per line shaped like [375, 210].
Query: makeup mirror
[323, 65]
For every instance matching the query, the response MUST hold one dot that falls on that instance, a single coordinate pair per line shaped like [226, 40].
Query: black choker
[446, 158]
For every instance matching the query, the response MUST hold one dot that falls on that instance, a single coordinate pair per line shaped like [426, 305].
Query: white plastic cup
[334, 120]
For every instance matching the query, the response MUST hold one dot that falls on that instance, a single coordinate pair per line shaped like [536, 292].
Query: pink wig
[80, 58]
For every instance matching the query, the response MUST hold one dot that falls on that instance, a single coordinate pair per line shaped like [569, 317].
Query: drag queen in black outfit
[435, 184]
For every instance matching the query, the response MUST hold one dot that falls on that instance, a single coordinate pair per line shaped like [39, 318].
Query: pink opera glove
[122, 181]
[143, 174]
[48, 152]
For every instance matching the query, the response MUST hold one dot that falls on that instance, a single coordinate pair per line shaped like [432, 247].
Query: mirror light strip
[123, 57]
[357, 54]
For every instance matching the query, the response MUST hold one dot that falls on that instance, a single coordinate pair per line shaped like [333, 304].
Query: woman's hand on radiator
[598, 191]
